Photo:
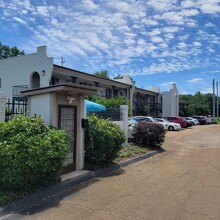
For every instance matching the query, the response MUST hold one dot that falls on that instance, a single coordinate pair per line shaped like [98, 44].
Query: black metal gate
[16, 107]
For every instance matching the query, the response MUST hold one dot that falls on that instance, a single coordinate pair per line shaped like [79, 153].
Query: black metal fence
[112, 113]
[15, 108]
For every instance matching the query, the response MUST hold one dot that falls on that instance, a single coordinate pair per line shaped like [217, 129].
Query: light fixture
[70, 99]
[43, 72]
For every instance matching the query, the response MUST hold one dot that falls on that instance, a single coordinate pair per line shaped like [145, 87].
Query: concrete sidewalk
[68, 185]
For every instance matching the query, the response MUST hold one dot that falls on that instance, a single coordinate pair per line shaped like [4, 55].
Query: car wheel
[170, 128]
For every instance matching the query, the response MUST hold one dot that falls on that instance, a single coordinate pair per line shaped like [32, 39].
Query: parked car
[131, 124]
[149, 120]
[188, 122]
[136, 119]
[176, 119]
[202, 119]
[170, 126]
[209, 119]
[144, 118]
[193, 120]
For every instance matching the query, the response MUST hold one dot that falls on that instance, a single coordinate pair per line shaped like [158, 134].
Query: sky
[156, 42]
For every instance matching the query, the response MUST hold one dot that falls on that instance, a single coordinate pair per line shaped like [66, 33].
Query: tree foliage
[103, 74]
[6, 51]
[198, 104]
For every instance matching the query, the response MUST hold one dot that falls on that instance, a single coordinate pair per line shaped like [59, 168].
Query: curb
[55, 191]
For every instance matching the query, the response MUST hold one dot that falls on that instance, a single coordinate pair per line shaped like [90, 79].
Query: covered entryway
[63, 106]
[67, 122]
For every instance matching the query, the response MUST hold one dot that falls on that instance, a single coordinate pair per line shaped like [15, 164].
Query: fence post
[124, 118]
[3, 100]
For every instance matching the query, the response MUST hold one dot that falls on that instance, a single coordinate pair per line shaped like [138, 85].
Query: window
[54, 81]
[35, 80]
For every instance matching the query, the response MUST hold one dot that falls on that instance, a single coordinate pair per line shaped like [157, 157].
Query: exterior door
[67, 122]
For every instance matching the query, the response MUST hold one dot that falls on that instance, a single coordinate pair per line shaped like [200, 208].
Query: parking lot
[183, 182]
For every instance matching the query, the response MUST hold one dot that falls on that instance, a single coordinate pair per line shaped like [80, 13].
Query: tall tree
[103, 74]
[199, 104]
[6, 51]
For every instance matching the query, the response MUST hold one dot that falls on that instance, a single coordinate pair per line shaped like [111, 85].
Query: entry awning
[94, 107]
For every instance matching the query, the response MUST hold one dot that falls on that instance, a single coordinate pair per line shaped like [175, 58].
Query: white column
[80, 132]
[124, 118]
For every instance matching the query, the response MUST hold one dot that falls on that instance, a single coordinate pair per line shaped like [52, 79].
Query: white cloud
[89, 5]
[189, 12]
[171, 29]
[209, 24]
[162, 36]
[167, 83]
[42, 10]
[210, 8]
[19, 20]
[156, 39]
[182, 45]
[197, 44]
[195, 80]
[149, 22]
[162, 5]
[187, 4]
[172, 18]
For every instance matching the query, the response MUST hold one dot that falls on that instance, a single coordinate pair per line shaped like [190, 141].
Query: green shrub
[217, 121]
[149, 134]
[31, 154]
[103, 141]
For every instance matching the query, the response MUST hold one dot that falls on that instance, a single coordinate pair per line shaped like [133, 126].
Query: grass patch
[131, 150]
[128, 151]
[217, 121]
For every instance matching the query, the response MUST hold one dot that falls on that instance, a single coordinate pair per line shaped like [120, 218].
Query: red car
[202, 119]
[177, 119]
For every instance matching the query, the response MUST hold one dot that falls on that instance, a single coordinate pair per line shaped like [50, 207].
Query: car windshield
[166, 121]
[154, 120]
[132, 121]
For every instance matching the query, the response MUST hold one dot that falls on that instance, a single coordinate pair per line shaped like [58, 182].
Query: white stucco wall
[170, 102]
[41, 105]
[17, 70]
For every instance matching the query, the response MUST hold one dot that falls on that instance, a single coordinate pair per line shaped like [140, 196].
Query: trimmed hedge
[31, 154]
[149, 134]
[103, 141]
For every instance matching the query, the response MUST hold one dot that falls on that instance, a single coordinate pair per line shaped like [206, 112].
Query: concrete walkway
[181, 183]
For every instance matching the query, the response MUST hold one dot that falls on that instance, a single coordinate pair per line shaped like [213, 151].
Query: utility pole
[217, 110]
[213, 102]
[62, 61]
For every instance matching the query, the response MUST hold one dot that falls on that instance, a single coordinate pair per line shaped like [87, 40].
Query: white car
[136, 119]
[193, 120]
[149, 120]
[131, 124]
[170, 126]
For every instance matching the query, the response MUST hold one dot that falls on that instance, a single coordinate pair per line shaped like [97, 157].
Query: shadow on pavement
[54, 200]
